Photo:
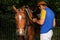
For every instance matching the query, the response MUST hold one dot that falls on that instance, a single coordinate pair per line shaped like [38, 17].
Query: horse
[24, 23]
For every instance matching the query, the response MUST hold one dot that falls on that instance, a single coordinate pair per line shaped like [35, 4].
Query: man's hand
[54, 23]
[34, 20]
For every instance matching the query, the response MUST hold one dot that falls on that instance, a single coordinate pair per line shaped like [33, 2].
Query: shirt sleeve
[43, 14]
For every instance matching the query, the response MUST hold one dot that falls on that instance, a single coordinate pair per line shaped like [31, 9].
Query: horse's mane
[28, 17]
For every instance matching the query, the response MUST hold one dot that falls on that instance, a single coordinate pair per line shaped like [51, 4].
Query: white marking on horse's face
[20, 17]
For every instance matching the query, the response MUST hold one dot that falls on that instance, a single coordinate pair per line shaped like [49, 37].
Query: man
[47, 21]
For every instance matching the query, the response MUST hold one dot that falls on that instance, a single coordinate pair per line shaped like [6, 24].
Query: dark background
[7, 20]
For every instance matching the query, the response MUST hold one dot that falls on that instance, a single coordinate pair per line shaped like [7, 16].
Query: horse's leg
[30, 33]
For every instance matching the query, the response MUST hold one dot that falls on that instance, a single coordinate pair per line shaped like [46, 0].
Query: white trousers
[46, 36]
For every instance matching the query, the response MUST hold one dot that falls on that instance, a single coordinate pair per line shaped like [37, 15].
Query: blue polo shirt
[48, 23]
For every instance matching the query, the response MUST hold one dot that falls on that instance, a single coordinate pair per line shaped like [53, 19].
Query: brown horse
[20, 17]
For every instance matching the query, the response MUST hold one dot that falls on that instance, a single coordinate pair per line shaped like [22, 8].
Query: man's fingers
[34, 20]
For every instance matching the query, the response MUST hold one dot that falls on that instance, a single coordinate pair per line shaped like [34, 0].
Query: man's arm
[54, 23]
[42, 17]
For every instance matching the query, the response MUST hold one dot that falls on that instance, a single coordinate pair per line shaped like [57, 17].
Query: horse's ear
[15, 9]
